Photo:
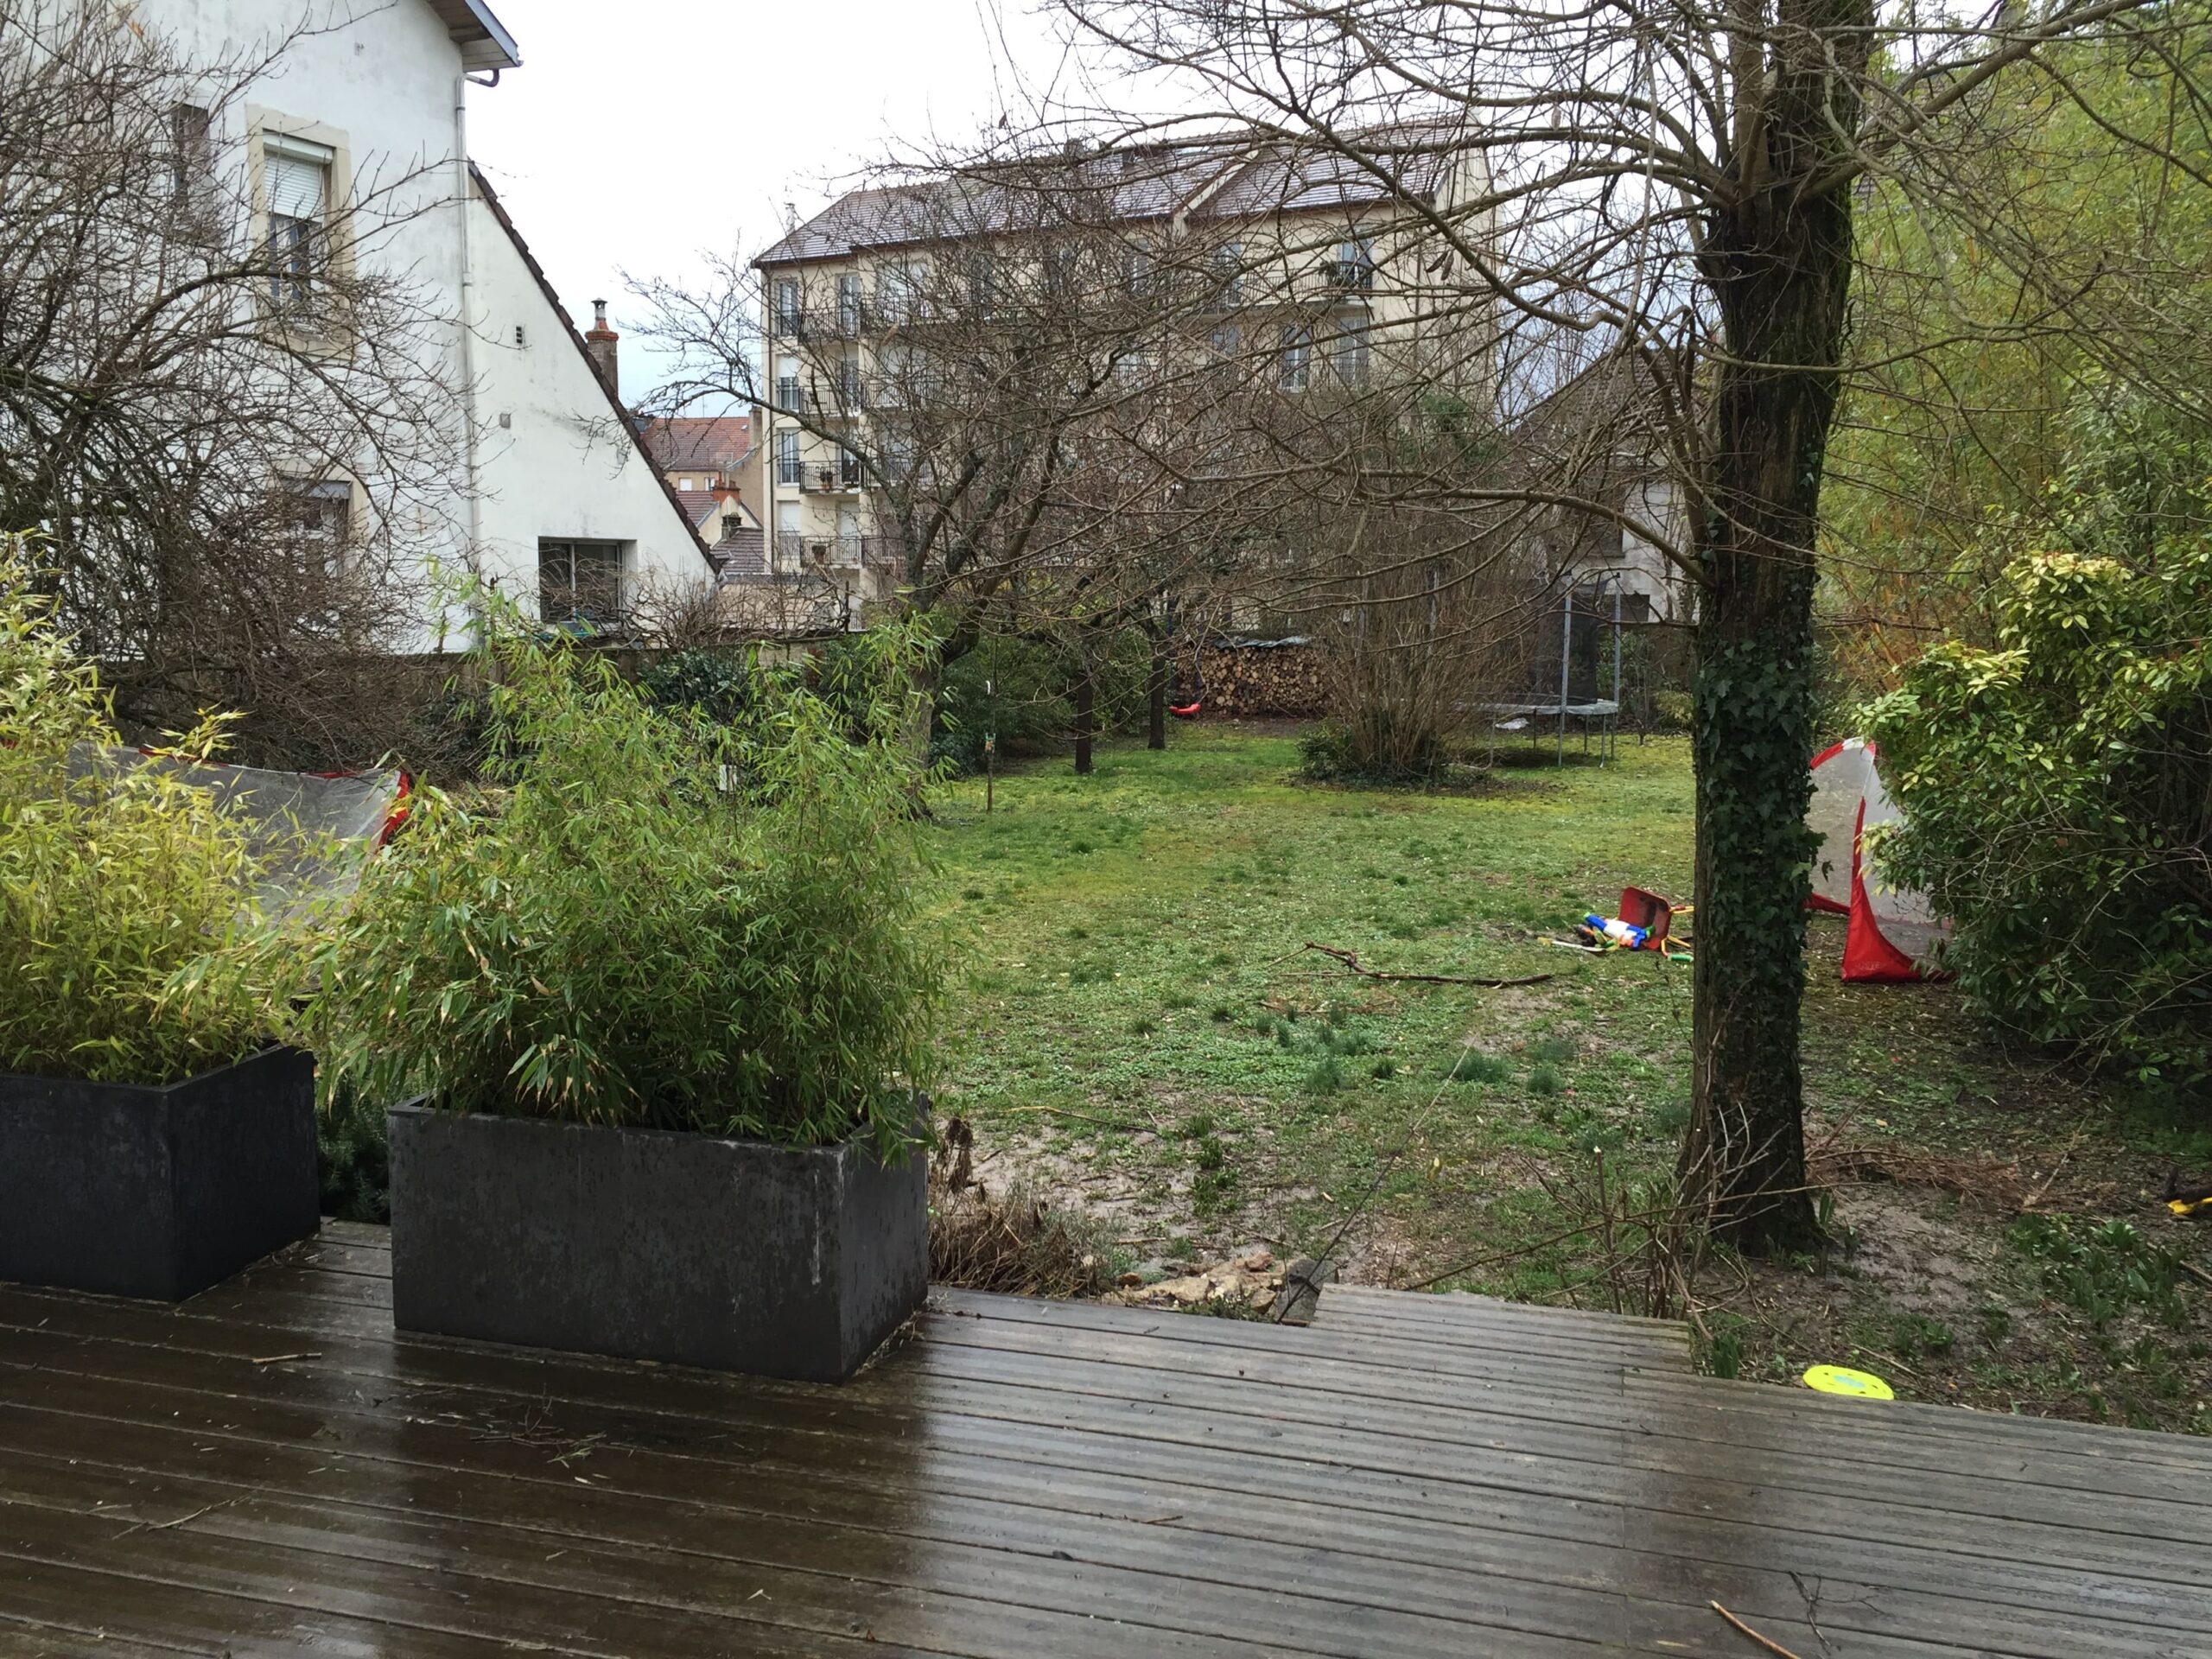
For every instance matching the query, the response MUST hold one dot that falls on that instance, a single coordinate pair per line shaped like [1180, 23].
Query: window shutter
[297, 176]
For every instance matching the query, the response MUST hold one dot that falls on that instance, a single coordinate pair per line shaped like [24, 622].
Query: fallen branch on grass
[1352, 962]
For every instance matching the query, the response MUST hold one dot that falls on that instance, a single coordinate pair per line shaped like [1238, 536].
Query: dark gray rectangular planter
[646, 1245]
[155, 1191]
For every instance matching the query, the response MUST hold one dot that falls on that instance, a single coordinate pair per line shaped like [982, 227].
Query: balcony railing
[796, 554]
[838, 479]
[1356, 275]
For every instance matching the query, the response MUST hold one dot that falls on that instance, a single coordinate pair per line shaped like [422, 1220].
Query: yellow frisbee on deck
[1859, 1385]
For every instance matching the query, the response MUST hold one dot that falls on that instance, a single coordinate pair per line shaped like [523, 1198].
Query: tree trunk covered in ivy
[1779, 254]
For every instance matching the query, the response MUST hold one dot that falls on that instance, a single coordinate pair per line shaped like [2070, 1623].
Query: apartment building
[1300, 271]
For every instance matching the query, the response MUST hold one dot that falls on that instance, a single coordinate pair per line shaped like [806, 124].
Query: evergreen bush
[2057, 789]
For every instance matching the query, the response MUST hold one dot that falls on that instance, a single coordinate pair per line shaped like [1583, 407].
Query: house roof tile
[711, 442]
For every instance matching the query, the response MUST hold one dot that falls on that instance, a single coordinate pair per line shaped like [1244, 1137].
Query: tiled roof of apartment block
[742, 553]
[703, 443]
[1216, 180]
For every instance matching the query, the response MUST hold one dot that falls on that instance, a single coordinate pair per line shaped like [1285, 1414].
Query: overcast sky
[636, 134]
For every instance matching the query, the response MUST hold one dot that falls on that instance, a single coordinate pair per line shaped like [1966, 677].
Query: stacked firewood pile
[1279, 679]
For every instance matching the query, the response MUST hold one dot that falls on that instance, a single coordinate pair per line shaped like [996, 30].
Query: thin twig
[163, 1526]
[279, 1359]
[2036, 1196]
[1771, 1647]
[1352, 961]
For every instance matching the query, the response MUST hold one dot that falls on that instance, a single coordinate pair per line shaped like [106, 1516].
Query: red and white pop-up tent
[1892, 935]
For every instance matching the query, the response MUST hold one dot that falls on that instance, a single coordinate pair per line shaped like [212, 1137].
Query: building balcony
[835, 480]
[797, 555]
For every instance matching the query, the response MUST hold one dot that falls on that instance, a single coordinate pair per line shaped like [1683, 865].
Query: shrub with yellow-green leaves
[2057, 799]
[133, 947]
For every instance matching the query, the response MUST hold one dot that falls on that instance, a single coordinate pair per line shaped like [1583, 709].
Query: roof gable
[483, 39]
[623, 416]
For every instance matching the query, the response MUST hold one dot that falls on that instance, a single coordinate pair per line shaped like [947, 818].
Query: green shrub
[719, 685]
[2057, 801]
[1370, 751]
[2103, 1268]
[134, 946]
[352, 1157]
[1031, 700]
[604, 935]
[1472, 1065]
[1326, 1076]
[1026, 704]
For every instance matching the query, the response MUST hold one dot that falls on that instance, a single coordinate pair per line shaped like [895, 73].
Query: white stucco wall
[1644, 568]
[553, 459]
[382, 81]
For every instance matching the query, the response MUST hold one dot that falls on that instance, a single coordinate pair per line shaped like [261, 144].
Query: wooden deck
[268, 1470]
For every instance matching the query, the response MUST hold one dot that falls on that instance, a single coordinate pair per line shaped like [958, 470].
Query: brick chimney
[603, 343]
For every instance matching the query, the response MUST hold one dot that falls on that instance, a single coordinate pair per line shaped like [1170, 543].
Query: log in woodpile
[1256, 679]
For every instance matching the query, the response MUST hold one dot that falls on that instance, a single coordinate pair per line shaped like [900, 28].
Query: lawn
[1142, 1036]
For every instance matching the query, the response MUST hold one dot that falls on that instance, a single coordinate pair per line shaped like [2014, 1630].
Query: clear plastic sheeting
[1843, 776]
[315, 829]
[1893, 935]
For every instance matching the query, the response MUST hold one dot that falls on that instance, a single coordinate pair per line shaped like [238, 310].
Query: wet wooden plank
[1436, 1475]
[288, 1599]
[1510, 1459]
[1829, 1558]
[1014, 1592]
[1467, 1304]
[653, 1499]
[90, 1613]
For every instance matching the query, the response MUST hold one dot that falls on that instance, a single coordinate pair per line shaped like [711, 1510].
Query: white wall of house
[553, 461]
[1644, 569]
[381, 84]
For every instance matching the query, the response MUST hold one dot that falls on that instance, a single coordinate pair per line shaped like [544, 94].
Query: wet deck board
[270, 1470]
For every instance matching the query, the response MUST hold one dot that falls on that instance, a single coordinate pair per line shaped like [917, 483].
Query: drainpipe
[468, 325]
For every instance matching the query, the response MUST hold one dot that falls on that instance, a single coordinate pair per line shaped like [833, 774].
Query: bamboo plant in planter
[152, 1141]
[661, 1000]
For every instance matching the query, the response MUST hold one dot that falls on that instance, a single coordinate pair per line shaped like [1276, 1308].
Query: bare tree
[215, 416]
[1072, 392]
[1669, 188]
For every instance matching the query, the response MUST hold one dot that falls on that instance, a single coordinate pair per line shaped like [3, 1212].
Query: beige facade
[1299, 275]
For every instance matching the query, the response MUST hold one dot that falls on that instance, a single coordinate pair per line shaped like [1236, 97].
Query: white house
[546, 492]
